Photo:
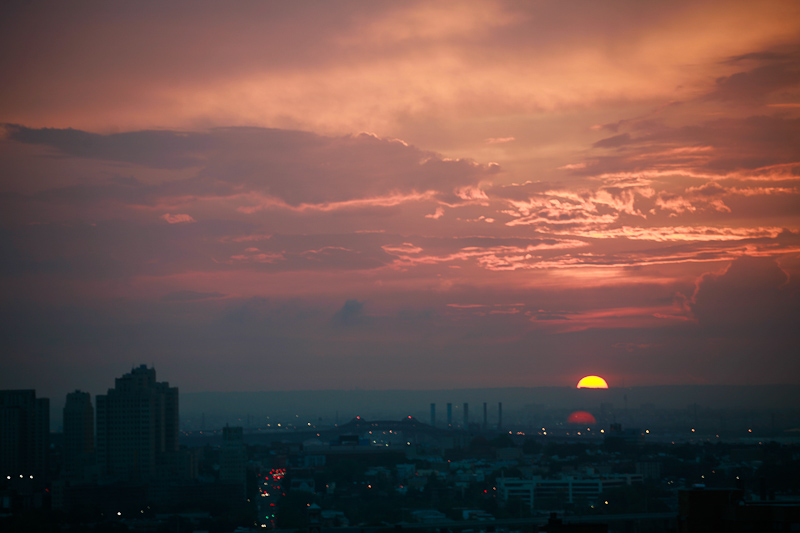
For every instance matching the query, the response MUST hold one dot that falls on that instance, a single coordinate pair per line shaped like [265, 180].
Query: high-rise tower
[136, 422]
[78, 434]
[24, 433]
[233, 458]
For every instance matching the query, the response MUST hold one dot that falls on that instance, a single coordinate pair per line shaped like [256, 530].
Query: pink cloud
[572, 166]
[681, 233]
[177, 218]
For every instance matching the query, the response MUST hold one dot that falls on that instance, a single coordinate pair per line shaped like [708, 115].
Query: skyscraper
[24, 433]
[137, 421]
[233, 458]
[78, 434]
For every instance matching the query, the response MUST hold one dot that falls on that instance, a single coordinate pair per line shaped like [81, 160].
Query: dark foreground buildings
[24, 449]
[78, 445]
[131, 461]
[137, 424]
[24, 433]
[727, 511]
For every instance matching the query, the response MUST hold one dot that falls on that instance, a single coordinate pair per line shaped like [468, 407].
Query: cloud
[189, 296]
[681, 233]
[706, 196]
[366, 69]
[350, 313]
[577, 207]
[404, 248]
[572, 166]
[157, 149]
[745, 133]
[260, 168]
[487, 253]
[177, 218]
[439, 213]
[752, 295]
[717, 145]
[614, 142]
[236, 209]
[775, 77]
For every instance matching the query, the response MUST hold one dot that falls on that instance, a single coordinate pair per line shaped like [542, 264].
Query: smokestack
[466, 415]
[449, 415]
[485, 417]
[500, 416]
[433, 414]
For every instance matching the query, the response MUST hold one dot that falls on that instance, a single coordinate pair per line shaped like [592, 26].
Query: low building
[565, 489]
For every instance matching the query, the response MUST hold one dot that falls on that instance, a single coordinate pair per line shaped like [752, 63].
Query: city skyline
[334, 196]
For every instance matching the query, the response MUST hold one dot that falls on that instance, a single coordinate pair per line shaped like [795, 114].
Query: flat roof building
[78, 435]
[565, 489]
[24, 433]
[136, 422]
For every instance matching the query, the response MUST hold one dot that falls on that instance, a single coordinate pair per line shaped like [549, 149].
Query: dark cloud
[296, 167]
[768, 136]
[751, 296]
[754, 86]
[759, 56]
[776, 72]
[614, 142]
[114, 249]
[189, 296]
[719, 145]
[352, 312]
[157, 149]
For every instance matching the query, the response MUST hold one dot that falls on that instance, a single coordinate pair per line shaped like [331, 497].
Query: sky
[399, 195]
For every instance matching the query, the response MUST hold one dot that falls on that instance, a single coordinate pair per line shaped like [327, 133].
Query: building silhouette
[721, 510]
[24, 433]
[137, 424]
[233, 459]
[78, 435]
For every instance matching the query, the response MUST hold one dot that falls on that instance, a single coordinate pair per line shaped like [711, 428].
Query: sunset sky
[399, 195]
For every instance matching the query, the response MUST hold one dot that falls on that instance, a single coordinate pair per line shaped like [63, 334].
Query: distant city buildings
[137, 423]
[24, 433]
[122, 459]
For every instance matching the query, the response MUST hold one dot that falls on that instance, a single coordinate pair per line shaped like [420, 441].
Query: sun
[592, 382]
[581, 418]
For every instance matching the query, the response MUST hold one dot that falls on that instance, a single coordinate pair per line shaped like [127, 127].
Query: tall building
[24, 433]
[233, 458]
[78, 434]
[137, 422]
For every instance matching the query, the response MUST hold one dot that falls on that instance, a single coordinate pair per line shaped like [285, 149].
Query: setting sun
[592, 382]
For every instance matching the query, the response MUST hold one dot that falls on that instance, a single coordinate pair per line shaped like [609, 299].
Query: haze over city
[411, 196]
